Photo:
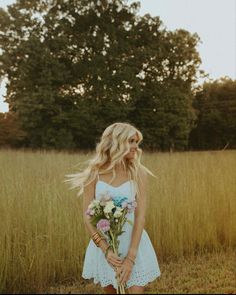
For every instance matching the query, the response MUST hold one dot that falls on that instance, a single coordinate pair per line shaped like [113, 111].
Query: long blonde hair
[111, 149]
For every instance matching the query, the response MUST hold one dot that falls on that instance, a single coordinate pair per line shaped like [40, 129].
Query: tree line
[76, 66]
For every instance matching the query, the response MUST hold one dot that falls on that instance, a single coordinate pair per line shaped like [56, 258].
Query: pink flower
[103, 225]
[135, 204]
[131, 206]
[90, 212]
[124, 204]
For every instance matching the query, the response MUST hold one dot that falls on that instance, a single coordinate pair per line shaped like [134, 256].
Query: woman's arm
[125, 270]
[89, 193]
[140, 212]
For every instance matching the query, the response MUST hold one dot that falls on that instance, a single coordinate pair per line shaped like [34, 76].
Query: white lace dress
[146, 268]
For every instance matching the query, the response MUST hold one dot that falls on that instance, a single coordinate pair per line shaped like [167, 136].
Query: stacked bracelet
[97, 238]
[131, 259]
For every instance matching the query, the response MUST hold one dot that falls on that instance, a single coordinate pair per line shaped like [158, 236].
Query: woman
[116, 169]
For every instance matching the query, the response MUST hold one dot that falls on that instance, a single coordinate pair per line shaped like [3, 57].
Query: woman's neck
[119, 168]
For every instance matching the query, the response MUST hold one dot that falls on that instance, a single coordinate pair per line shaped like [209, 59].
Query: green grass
[191, 210]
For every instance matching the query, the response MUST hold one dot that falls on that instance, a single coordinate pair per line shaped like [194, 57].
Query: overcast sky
[213, 20]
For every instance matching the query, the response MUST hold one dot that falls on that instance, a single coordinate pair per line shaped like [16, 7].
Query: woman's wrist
[107, 249]
[103, 245]
[132, 253]
[130, 259]
[98, 239]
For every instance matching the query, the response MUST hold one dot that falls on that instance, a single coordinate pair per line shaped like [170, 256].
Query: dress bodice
[126, 189]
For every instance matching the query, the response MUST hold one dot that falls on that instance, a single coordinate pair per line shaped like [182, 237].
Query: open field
[191, 211]
[213, 273]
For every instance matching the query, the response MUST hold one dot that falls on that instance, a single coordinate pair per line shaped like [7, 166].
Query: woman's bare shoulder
[91, 180]
[142, 172]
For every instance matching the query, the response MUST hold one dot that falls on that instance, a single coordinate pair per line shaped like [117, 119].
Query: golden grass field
[212, 273]
[191, 221]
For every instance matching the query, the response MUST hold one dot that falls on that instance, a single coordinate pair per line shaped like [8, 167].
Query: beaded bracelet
[127, 257]
[95, 235]
[97, 238]
[98, 241]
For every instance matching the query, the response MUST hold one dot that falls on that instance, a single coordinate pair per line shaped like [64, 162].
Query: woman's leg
[136, 290]
[109, 289]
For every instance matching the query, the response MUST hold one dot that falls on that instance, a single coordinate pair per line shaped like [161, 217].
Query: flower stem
[120, 288]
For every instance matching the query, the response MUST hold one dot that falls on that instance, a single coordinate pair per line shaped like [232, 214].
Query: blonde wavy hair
[111, 150]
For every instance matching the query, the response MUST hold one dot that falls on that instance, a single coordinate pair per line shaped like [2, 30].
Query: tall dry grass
[191, 210]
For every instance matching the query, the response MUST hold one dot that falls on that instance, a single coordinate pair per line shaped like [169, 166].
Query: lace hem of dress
[139, 280]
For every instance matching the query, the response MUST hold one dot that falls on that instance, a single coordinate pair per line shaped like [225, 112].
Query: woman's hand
[124, 272]
[113, 259]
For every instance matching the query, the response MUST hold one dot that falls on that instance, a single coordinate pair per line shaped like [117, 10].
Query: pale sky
[213, 20]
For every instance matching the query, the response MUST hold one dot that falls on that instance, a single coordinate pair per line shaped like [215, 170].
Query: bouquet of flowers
[108, 215]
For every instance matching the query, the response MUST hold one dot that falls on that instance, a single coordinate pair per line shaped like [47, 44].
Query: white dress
[146, 268]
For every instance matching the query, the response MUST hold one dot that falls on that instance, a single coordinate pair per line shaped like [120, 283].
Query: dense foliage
[76, 66]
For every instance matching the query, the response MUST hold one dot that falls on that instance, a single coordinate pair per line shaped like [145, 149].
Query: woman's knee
[109, 289]
[136, 290]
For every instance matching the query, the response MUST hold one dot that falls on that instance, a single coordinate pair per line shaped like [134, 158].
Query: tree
[163, 106]
[216, 107]
[11, 134]
[76, 66]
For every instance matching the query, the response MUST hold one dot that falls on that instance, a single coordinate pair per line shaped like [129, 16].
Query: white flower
[118, 212]
[106, 196]
[94, 204]
[109, 206]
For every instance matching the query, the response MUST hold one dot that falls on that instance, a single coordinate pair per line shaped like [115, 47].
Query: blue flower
[119, 200]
